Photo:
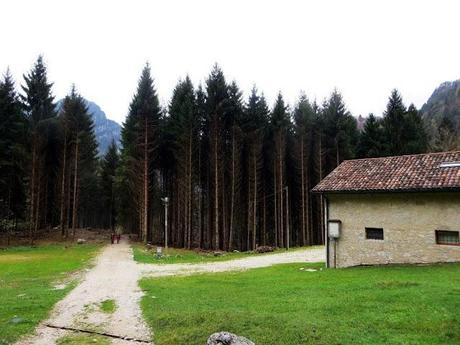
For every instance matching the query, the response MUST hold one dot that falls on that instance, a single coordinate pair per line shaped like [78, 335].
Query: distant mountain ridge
[105, 129]
[445, 101]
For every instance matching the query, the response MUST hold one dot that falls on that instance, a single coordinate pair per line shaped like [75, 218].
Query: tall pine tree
[140, 140]
[12, 152]
[40, 111]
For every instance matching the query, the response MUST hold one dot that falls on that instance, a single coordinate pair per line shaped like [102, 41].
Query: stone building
[403, 209]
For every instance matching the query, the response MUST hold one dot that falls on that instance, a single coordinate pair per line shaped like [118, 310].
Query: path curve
[307, 255]
[115, 276]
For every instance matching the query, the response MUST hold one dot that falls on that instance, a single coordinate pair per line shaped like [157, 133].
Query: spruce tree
[40, 110]
[184, 126]
[415, 137]
[394, 123]
[371, 140]
[304, 117]
[12, 150]
[280, 124]
[140, 140]
[234, 140]
[216, 108]
[340, 131]
[109, 166]
[78, 176]
[254, 125]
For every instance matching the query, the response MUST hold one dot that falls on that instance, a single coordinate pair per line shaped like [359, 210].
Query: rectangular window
[374, 234]
[447, 237]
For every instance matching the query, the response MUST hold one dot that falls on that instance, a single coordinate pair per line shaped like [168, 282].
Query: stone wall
[409, 221]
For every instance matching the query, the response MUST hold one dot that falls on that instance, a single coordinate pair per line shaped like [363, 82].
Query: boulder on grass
[81, 241]
[226, 338]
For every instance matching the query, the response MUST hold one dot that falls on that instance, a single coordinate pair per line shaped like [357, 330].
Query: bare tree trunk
[216, 195]
[275, 189]
[287, 218]
[39, 196]
[33, 191]
[224, 210]
[190, 191]
[302, 230]
[281, 180]
[200, 191]
[146, 183]
[254, 225]
[75, 183]
[249, 214]
[264, 234]
[232, 197]
[321, 222]
[308, 208]
[64, 168]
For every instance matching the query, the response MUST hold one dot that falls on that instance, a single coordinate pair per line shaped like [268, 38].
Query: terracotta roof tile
[421, 172]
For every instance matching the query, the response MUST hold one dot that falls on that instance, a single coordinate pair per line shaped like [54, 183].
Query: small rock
[226, 338]
[81, 241]
[218, 253]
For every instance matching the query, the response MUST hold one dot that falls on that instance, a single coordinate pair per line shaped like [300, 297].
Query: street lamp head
[165, 199]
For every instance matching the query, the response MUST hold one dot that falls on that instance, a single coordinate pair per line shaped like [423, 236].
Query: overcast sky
[364, 48]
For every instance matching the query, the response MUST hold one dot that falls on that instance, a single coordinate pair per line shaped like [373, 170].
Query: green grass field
[283, 305]
[176, 256]
[27, 284]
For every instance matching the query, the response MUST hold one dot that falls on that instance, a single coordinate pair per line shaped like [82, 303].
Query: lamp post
[166, 201]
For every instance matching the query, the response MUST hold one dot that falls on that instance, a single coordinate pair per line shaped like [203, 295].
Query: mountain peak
[105, 129]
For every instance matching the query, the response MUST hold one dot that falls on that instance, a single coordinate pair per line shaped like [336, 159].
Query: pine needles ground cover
[32, 280]
[286, 305]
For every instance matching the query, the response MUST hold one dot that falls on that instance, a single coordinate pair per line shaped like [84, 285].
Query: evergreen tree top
[395, 104]
[216, 90]
[38, 99]
[280, 115]
[303, 112]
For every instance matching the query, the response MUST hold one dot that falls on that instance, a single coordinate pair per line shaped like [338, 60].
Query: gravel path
[307, 255]
[115, 277]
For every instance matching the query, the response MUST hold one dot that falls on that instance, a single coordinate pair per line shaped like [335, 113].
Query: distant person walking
[118, 232]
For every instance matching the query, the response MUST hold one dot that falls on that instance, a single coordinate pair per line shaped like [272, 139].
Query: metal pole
[287, 217]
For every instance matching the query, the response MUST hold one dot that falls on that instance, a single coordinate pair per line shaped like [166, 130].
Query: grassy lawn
[285, 305]
[27, 284]
[176, 256]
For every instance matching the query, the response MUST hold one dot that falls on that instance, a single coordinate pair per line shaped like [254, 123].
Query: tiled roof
[421, 172]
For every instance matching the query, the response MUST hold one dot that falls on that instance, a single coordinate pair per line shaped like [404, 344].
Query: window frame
[437, 232]
[370, 228]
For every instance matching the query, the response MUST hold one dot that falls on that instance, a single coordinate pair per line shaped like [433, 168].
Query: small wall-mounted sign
[333, 228]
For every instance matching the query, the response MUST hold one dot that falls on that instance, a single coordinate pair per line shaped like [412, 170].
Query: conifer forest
[238, 171]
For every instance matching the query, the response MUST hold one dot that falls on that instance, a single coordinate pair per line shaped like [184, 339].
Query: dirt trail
[307, 255]
[115, 277]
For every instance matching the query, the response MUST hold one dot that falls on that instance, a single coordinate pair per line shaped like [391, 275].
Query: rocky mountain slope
[445, 101]
[105, 129]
